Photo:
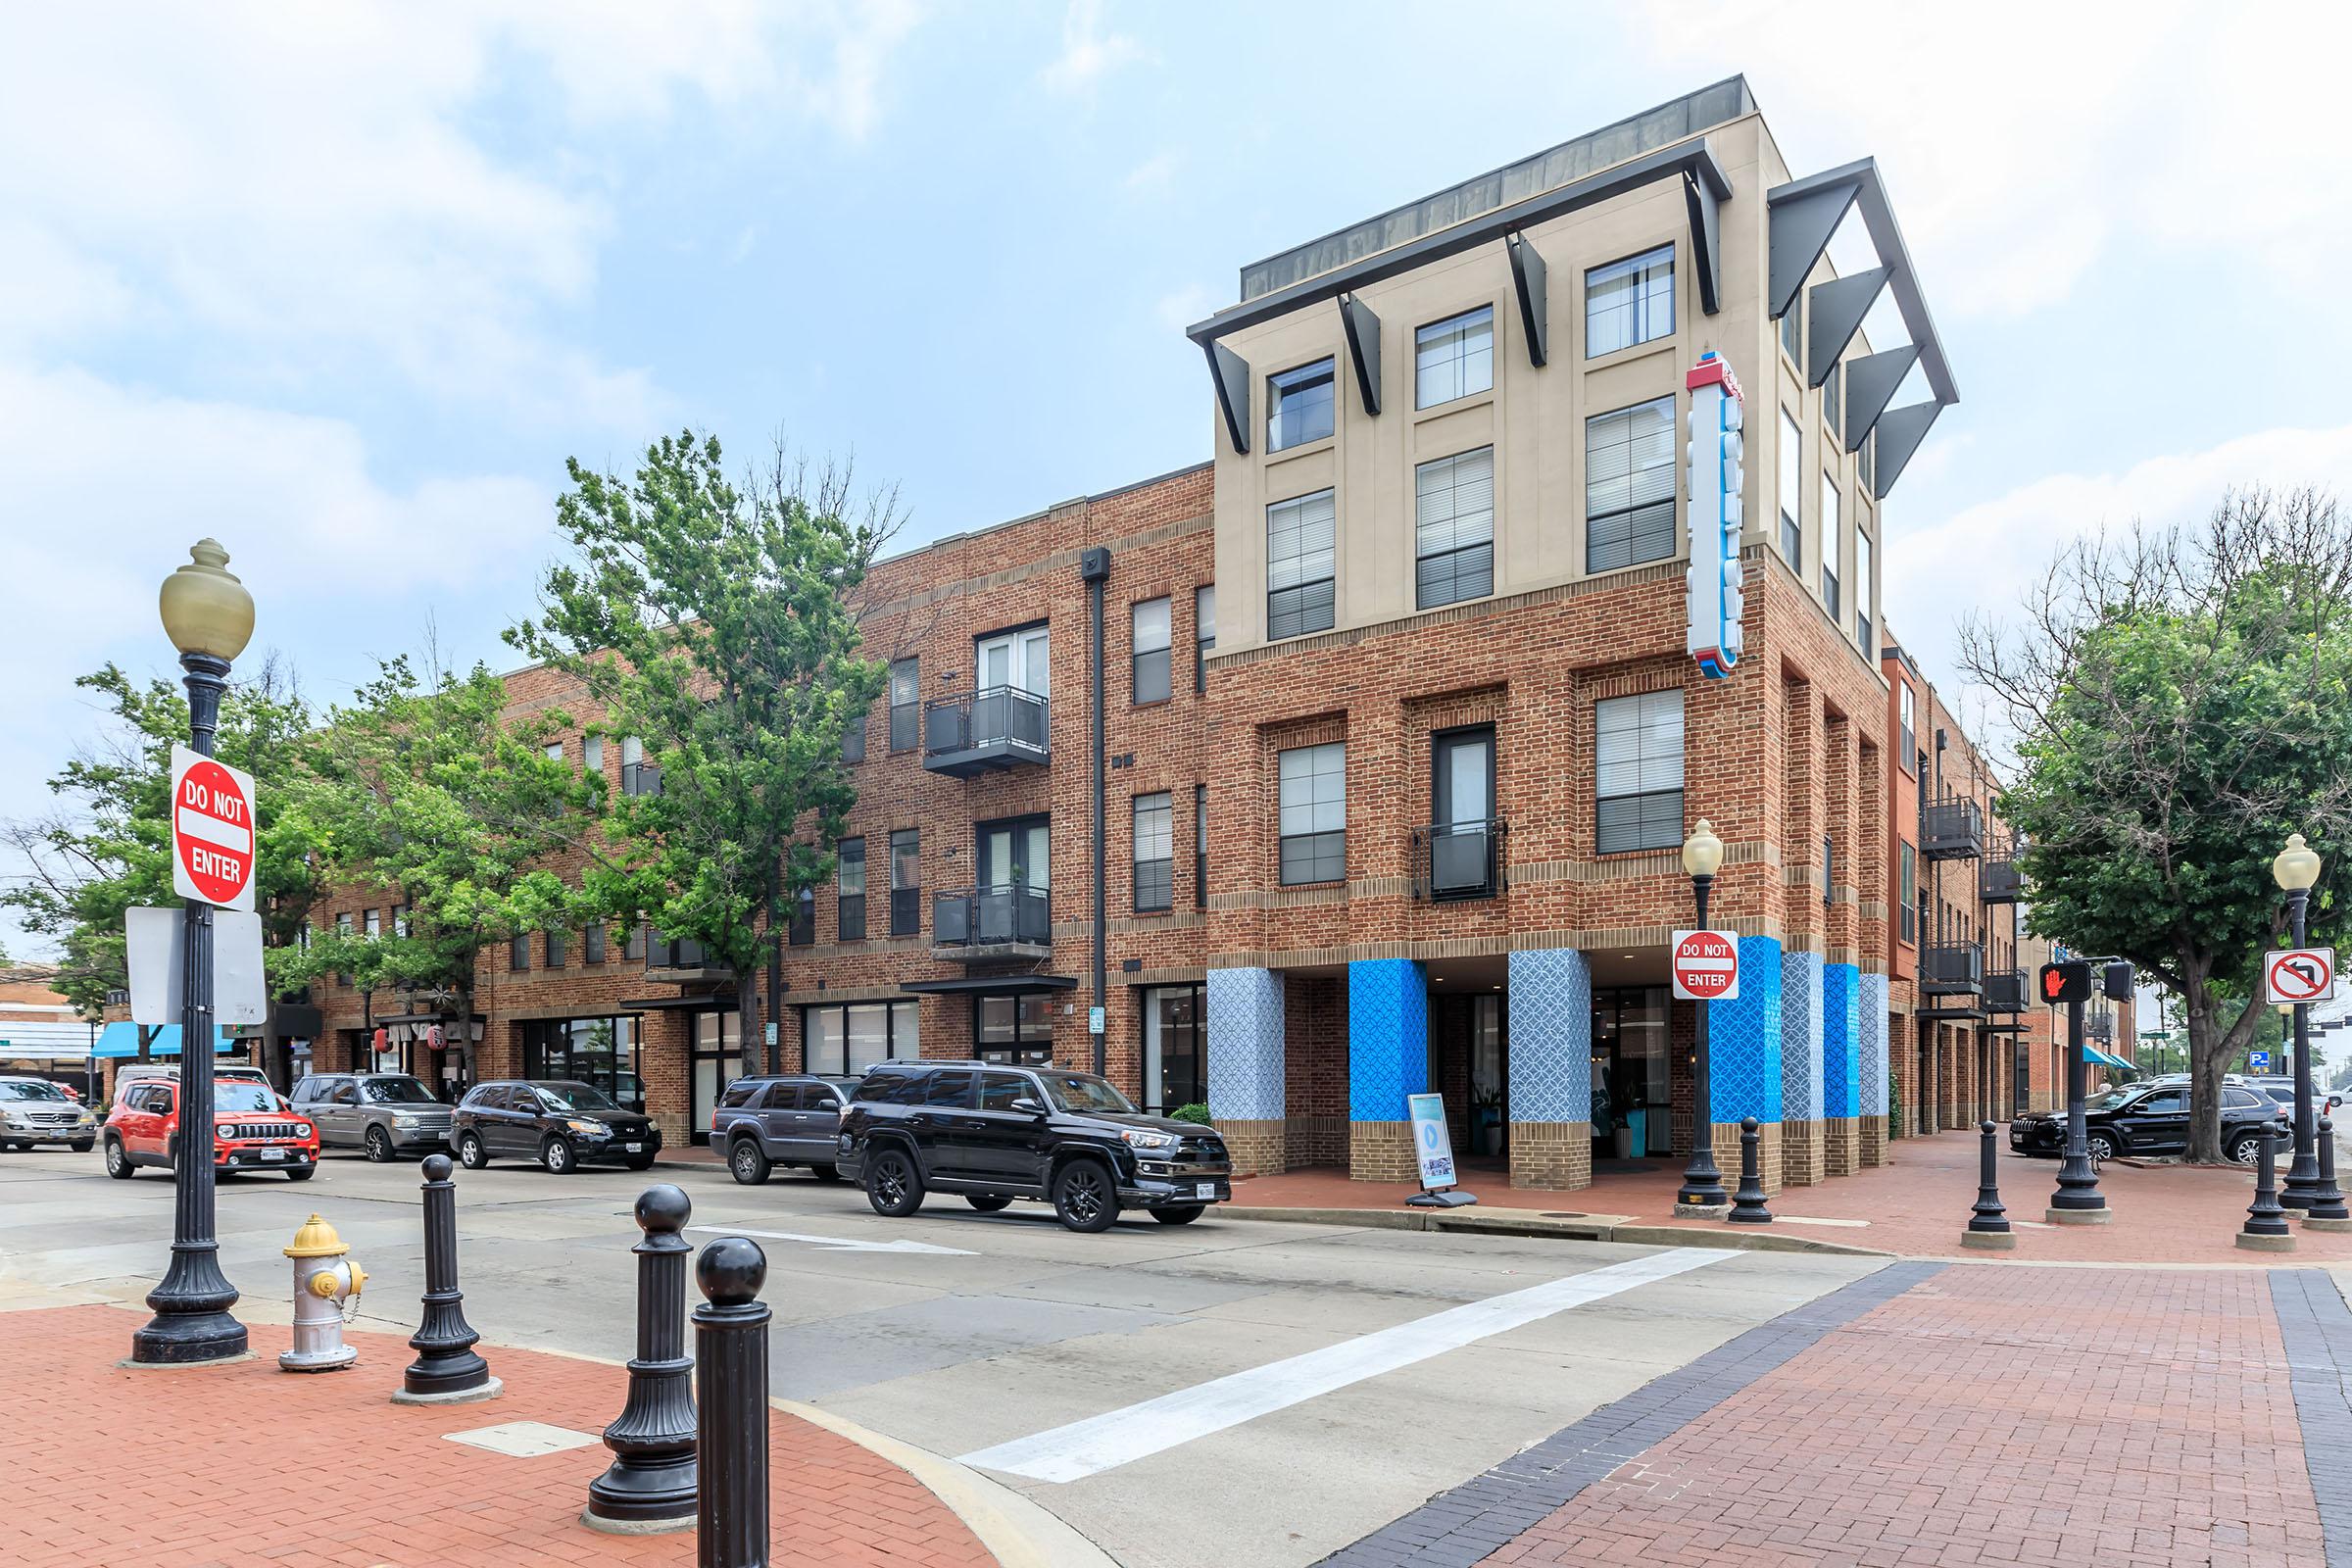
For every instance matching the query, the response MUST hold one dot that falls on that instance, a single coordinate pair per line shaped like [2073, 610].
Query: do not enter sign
[1707, 966]
[212, 831]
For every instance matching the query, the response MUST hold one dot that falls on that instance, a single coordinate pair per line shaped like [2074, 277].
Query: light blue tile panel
[1840, 1041]
[1388, 1037]
[1550, 999]
[1743, 1039]
[1873, 1007]
[1800, 1036]
[1245, 1044]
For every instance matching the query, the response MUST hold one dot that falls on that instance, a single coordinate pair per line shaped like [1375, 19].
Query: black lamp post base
[189, 1339]
[644, 1499]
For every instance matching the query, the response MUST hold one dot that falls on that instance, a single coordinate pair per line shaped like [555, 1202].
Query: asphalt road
[1229, 1391]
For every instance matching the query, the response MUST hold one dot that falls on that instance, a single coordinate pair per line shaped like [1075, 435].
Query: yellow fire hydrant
[324, 1279]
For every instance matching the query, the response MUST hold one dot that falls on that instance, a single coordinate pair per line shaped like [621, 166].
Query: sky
[344, 286]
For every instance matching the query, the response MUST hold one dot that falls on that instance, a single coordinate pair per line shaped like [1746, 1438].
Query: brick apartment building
[1401, 727]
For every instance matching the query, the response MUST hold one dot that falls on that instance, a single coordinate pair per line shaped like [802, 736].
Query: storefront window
[599, 1051]
[847, 1039]
[1630, 1064]
[1023, 1023]
[1175, 1062]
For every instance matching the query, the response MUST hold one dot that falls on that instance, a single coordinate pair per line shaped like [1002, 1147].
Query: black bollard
[649, 1488]
[1988, 1226]
[448, 1370]
[2265, 1230]
[1747, 1203]
[730, 1378]
[2328, 1211]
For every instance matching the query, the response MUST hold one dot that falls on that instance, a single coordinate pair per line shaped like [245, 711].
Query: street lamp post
[209, 616]
[2296, 868]
[1703, 1183]
[2078, 1200]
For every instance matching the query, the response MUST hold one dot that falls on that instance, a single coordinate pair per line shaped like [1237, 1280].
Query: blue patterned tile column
[1842, 1067]
[1387, 1058]
[1743, 1056]
[1246, 1059]
[1800, 1068]
[1549, 997]
[1874, 1077]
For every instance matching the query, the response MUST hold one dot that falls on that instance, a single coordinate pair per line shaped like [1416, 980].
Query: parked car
[385, 1113]
[2149, 1119]
[34, 1111]
[760, 1123]
[2282, 1090]
[250, 1130]
[558, 1122]
[224, 1072]
[993, 1134]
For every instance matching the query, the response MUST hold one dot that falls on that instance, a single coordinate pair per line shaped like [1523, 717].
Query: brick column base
[1316, 1141]
[1554, 1155]
[1841, 1146]
[1873, 1142]
[1257, 1147]
[1382, 1151]
[1768, 1155]
[1801, 1154]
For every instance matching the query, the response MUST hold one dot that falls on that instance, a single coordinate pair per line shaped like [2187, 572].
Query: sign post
[1433, 1150]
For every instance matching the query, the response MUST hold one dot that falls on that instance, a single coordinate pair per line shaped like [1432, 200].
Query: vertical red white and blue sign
[1712, 452]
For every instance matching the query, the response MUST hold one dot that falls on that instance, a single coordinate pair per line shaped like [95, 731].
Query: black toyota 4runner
[995, 1134]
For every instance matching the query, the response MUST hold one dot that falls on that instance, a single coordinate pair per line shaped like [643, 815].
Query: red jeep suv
[249, 1130]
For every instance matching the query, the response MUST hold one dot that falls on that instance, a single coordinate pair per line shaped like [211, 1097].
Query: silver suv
[34, 1111]
[388, 1115]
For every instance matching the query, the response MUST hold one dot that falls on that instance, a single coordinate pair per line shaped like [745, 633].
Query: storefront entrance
[715, 1056]
[1631, 1064]
[1469, 1065]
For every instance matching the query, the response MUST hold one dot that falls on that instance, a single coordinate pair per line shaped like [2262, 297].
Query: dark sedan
[560, 1123]
[2148, 1119]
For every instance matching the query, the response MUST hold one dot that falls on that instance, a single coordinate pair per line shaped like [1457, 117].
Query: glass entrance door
[1017, 659]
[715, 1061]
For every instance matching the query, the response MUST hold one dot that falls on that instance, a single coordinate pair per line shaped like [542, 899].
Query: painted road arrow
[837, 1242]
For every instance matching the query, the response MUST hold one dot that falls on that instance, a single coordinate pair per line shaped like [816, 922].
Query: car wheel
[2246, 1149]
[559, 1156]
[640, 1162]
[893, 1183]
[1084, 1200]
[81, 1146]
[301, 1173]
[747, 1162]
[471, 1152]
[2101, 1146]
[987, 1205]
[1181, 1215]
[118, 1160]
[379, 1146]
[825, 1173]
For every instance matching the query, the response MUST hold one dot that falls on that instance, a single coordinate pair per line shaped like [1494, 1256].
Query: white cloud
[1089, 53]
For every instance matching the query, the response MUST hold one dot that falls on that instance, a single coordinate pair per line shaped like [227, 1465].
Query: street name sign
[2298, 974]
[212, 831]
[1707, 966]
[158, 962]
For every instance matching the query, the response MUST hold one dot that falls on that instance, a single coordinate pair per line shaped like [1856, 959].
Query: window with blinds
[1454, 528]
[1455, 358]
[1637, 751]
[1628, 486]
[1792, 528]
[1300, 538]
[1628, 302]
[1155, 853]
[1314, 813]
[1792, 331]
[1862, 593]
[1833, 538]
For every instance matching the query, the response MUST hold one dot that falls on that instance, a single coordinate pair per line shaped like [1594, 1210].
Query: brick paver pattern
[1987, 1415]
[238, 1465]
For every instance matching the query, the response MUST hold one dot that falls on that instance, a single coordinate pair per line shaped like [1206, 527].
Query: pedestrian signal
[2065, 982]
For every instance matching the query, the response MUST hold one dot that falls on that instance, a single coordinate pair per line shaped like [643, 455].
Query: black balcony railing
[906, 911]
[2099, 1027]
[1458, 859]
[1951, 969]
[2005, 991]
[995, 728]
[1952, 830]
[674, 952]
[992, 918]
[1998, 880]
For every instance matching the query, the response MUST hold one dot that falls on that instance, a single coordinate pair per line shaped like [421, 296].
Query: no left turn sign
[212, 831]
[2298, 974]
[1707, 966]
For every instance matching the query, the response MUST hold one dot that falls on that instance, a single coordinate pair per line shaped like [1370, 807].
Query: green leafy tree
[2182, 701]
[718, 624]
[426, 791]
[105, 846]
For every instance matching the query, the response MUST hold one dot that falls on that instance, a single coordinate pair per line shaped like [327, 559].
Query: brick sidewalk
[102, 1464]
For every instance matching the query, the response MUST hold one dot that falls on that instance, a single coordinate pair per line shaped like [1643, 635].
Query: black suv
[557, 1122]
[760, 1123]
[2149, 1119]
[995, 1134]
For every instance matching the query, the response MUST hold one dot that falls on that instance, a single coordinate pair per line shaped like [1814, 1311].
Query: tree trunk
[746, 1026]
[2210, 1047]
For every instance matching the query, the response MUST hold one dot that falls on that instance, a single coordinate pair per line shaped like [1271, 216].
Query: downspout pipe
[1093, 568]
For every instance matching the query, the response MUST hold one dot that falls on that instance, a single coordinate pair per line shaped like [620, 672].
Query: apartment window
[801, 930]
[1628, 485]
[902, 718]
[1455, 358]
[633, 948]
[1832, 404]
[1314, 813]
[343, 929]
[518, 952]
[1864, 461]
[1863, 583]
[373, 925]
[1199, 846]
[1792, 331]
[1907, 707]
[1828, 867]
[592, 754]
[1907, 894]
[637, 775]
[1204, 632]
[1833, 538]
[1454, 528]
[1793, 527]
[552, 948]
[592, 943]
[1150, 620]
[852, 740]
[905, 882]
[552, 751]
[1628, 302]
[1639, 754]
[400, 921]
[1299, 406]
[1155, 853]
[850, 878]
[1300, 535]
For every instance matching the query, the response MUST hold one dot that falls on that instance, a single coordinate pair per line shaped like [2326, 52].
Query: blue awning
[122, 1040]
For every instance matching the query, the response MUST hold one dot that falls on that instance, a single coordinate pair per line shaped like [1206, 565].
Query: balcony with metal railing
[679, 959]
[2005, 991]
[1952, 830]
[1952, 969]
[986, 923]
[992, 730]
[1998, 880]
[1458, 860]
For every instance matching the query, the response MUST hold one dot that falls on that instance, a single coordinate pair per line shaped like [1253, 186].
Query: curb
[1622, 1229]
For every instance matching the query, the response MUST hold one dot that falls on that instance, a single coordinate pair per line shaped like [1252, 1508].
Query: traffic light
[2116, 982]
[2067, 981]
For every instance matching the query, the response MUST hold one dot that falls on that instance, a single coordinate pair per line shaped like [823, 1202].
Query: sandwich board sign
[1433, 1150]
[212, 831]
